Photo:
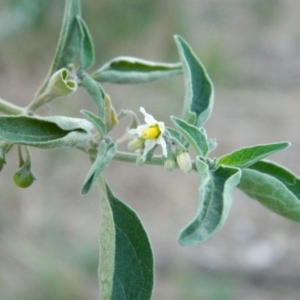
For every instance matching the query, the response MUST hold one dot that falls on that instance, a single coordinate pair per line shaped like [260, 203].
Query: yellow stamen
[151, 133]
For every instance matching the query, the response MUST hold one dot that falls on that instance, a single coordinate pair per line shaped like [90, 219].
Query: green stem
[36, 103]
[131, 158]
[10, 108]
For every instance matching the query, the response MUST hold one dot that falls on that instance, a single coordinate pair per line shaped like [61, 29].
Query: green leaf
[104, 157]
[95, 91]
[96, 121]
[215, 198]
[68, 44]
[195, 136]
[247, 156]
[107, 245]
[276, 193]
[199, 95]
[290, 180]
[125, 69]
[87, 55]
[129, 261]
[46, 132]
[69, 40]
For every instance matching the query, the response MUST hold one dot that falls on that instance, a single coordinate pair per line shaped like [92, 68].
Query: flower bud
[136, 144]
[24, 177]
[169, 164]
[60, 85]
[184, 161]
[111, 118]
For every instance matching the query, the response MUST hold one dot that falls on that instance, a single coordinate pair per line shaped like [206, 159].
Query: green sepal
[274, 187]
[126, 260]
[175, 135]
[95, 91]
[215, 198]
[247, 156]
[46, 132]
[3, 149]
[105, 155]
[131, 70]
[87, 55]
[99, 124]
[195, 136]
[199, 94]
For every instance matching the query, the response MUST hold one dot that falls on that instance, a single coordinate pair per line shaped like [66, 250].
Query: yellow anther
[152, 132]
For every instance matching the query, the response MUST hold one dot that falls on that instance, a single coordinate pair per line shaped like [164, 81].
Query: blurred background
[49, 233]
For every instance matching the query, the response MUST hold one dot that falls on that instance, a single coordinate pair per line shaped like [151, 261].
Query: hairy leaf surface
[87, 55]
[199, 93]
[126, 69]
[247, 156]
[215, 198]
[104, 156]
[46, 132]
[133, 260]
[195, 136]
[272, 192]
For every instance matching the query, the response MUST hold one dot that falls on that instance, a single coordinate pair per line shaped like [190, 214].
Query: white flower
[151, 133]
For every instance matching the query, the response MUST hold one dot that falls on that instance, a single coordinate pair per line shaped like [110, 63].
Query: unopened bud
[60, 85]
[184, 161]
[169, 164]
[136, 144]
[111, 118]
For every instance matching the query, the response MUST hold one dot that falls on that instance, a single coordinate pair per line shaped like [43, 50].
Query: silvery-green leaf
[215, 198]
[46, 132]
[290, 180]
[199, 95]
[273, 192]
[247, 156]
[126, 260]
[87, 55]
[96, 121]
[104, 156]
[95, 91]
[195, 136]
[69, 40]
[126, 69]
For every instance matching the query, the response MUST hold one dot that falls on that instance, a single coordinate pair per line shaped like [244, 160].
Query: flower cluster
[148, 135]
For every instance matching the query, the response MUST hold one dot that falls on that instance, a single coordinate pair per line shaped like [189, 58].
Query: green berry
[24, 177]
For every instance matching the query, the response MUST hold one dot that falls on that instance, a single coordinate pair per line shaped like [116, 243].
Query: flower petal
[139, 130]
[161, 141]
[149, 119]
[149, 144]
[161, 126]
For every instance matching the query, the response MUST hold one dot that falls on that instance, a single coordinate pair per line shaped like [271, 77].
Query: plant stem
[10, 108]
[131, 158]
[36, 103]
[155, 160]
